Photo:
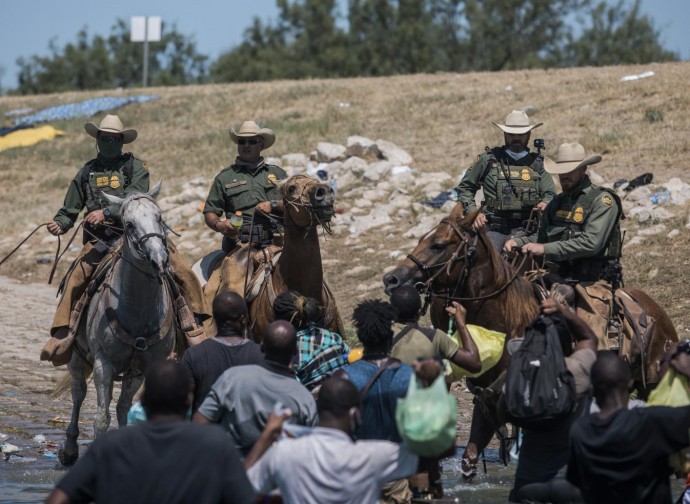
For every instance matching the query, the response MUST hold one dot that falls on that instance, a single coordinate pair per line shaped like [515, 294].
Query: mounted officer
[513, 181]
[580, 239]
[248, 184]
[118, 174]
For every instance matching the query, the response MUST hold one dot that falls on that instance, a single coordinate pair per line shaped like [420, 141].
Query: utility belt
[586, 270]
[261, 234]
[505, 224]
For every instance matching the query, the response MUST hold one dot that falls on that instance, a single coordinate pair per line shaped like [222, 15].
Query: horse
[454, 262]
[307, 204]
[130, 319]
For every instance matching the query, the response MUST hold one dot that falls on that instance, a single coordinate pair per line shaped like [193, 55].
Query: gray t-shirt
[244, 396]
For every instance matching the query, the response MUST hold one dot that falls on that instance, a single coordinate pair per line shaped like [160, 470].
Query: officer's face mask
[109, 146]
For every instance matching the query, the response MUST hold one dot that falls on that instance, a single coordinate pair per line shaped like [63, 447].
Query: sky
[28, 26]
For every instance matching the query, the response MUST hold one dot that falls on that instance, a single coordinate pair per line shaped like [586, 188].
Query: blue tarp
[81, 109]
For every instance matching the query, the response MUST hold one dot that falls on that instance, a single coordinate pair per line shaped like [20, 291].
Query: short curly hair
[373, 320]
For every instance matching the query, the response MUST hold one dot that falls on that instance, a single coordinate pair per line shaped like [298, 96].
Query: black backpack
[539, 389]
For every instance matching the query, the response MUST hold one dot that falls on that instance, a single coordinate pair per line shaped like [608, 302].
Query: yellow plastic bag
[490, 345]
[673, 391]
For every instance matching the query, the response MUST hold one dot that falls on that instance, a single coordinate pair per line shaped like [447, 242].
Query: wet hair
[280, 342]
[299, 310]
[373, 320]
[228, 306]
[407, 303]
[336, 397]
[610, 373]
[166, 389]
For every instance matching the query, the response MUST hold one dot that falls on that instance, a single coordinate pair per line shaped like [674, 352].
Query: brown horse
[307, 203]
[454, 262]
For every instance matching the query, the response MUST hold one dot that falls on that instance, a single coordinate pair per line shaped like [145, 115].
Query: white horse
[130, 319]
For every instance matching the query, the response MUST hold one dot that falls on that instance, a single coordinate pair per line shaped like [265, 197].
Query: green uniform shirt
[102, 178]
[531, 182]
[571, 230]
[238, 189]
[416, 344]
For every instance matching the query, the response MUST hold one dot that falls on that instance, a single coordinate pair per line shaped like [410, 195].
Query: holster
[260, 234]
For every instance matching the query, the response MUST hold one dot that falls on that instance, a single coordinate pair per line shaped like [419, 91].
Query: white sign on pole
[146, 28]
[153, 33]
[138, 32]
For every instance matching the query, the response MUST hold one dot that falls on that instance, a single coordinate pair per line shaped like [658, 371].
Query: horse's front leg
[68, 452]
[481, 431]
[104, 375]
[124, 403]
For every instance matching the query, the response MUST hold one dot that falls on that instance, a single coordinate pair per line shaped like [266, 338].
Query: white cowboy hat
[517, 123]
[111, 124]
[251, 129]
[570, 157]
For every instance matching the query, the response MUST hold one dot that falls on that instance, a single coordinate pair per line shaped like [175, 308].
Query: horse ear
[155, 190]
[457, 213]
[113, 200]
[467, 221]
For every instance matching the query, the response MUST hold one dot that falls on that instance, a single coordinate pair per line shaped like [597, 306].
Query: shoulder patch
[476, 160]
[607, 200]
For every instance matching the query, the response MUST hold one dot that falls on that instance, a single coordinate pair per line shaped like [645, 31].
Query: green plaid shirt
[319, 353]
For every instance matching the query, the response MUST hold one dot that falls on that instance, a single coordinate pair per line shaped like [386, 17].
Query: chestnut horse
[454, 262]
[307, 204]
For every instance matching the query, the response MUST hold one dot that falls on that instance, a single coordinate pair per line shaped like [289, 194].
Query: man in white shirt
[327, 466]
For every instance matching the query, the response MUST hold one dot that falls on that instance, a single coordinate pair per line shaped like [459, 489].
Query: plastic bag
[673, 391]
[426, 418]
[490, 345]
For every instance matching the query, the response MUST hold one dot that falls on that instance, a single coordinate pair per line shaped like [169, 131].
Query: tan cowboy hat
[251, 129]
[570, 157]
[517, 123]
[111, 124]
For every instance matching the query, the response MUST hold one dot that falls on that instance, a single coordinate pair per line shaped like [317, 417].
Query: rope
[24, 241]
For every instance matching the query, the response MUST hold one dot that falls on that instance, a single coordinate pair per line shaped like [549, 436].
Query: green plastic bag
[490, 345]
[672, 390]
[426, 418]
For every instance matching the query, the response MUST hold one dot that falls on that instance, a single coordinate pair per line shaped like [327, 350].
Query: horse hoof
[468, 469]
[67, 459]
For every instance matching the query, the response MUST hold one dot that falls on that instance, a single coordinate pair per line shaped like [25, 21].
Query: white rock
[334, 169]
[375, 195]
[394, 254]
[362, 147]
[273, 160]
[356, 165]
[661, 213]
[635, 240]
[680, 191]
[640, 194]
[652, 273]
[403, 179]
[425, 224]
[376, 171]
[346, 180]
[595, 177]
[393, 153]
[401, 200]
[358, 270]
[687, 224]
[673, 233]
[379, 216]
[328, 152]
[363, 203]
[448, 206]
[296, 159]
[652, 230]
[187, 245]
[385, 186]
[403, 214]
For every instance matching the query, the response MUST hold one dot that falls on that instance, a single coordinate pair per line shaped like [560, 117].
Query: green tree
[99, 63]
[616, 36]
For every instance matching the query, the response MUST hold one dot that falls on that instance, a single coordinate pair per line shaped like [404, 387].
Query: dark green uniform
[580, 231]
[508, 202]
[238, 188]
[123, 176]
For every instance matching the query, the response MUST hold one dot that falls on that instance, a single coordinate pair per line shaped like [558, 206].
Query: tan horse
[308, 204]
[453, 262]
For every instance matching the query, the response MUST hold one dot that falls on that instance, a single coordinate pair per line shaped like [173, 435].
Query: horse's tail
[65, 385]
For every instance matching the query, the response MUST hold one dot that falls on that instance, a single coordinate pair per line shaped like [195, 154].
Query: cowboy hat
[111, 124]
[251, 129]
[570, 157]
[517, 123]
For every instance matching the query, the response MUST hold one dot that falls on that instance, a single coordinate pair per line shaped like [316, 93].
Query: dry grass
[443, 120]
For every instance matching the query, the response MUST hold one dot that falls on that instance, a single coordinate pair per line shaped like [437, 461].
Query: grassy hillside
[442, 120]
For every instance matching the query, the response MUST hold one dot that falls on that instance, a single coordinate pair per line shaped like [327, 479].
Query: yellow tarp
[27, 137]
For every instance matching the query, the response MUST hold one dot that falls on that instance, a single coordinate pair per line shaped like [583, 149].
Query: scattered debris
[642, 75]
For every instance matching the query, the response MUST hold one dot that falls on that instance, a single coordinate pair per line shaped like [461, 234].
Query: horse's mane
[520, 307]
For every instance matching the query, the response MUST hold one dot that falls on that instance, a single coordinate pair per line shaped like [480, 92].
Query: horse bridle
[309, 207]
[469, 253]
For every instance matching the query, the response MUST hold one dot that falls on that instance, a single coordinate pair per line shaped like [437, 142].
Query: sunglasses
[111, 139]
[243, 141]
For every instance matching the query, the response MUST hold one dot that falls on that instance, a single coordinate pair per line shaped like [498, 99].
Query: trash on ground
[39, 438]
[18, 111]
[28, 136]
[639, 181]
[397, 170]
[82, 109]
[643, 75]
[439, 200]
[661, 197]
